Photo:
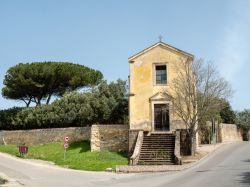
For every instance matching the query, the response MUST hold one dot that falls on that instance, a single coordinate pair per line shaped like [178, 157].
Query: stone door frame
[169, 103]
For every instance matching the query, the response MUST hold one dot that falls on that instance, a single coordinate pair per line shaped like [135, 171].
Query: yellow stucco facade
[146, 94]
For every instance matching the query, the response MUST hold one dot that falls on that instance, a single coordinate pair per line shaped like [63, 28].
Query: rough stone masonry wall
[229, 133]
[41, 136]
[109, 137]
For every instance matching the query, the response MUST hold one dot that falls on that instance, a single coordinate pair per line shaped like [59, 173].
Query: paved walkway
[202, 152]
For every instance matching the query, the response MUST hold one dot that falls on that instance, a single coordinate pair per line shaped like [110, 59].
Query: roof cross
[160, 38]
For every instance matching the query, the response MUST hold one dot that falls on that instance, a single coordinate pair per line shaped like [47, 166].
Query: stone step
[165, 141]
[159, 135]
[157, 149]
[154, 163]
[151, 154]
[161, 141]
[158, 146]
[156, 158]
[158, 138]
[158, 142]
[152, 145]
[156, 153]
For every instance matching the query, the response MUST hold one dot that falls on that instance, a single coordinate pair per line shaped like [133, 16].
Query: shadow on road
[247, 160]
[245, 178]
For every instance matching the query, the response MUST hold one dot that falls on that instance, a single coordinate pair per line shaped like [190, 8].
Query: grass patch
[78, 155]
[2, 180]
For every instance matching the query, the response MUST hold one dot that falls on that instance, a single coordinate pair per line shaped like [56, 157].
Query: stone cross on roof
[160, 38]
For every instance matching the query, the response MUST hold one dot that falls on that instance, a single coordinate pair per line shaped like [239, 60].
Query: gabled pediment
[165, 46]
[160, 96]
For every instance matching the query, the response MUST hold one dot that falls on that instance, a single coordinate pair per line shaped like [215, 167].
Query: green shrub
[7, 117]
[105, 104]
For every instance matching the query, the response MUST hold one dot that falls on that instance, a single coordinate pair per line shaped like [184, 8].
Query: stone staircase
[157, 149]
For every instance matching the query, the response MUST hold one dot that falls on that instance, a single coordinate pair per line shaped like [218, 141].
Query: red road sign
[23, 150]
[66, 145]
[66, 138]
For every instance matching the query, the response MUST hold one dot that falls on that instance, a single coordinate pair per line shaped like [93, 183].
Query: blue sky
[103, 34]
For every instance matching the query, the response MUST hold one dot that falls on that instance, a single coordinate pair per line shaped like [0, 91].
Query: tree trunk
[48, 99]
[193, 142]
[28, 103]
[38, 102]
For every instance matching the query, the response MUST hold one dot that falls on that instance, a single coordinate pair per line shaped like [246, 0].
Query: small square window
[161, 74]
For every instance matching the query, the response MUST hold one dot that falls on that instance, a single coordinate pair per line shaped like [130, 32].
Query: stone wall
[229, 133]
[41, 136]
[109, 137]
[102, 137]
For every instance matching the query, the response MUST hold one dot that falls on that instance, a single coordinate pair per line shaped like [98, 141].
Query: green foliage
[243, 117]
[105, 104]
[243, 120]
[227, 114]
[222, 113]
[112, 103]
[78, 155]
[37, 81]
[7, 117]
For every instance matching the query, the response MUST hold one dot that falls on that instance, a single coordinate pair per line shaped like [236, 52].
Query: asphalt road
[227, 167]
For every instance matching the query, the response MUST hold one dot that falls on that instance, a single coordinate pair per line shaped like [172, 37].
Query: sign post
[65, 145]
